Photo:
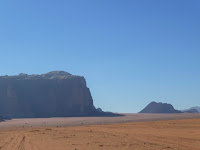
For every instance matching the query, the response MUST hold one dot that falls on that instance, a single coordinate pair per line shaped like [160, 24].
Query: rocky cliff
[55, 94]
[154, 107]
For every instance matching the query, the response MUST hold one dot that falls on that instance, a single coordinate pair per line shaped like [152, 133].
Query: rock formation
[192, 110]
[4, 118]
[99, 110]
[197, 108]
[154, 107]
[55, 94]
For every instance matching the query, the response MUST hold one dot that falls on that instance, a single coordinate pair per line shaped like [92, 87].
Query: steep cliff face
[55, 94]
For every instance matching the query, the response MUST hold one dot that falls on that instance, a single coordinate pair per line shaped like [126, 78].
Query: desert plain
[129, 132]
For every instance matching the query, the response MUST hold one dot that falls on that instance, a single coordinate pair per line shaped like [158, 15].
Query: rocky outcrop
[192, 110]
[55, 94]
[154, 107]
[4, 118]
[99, 110]
[197, 108]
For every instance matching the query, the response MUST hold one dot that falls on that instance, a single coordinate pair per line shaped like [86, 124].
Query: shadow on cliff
[94, 113]
[4, 118]
[98, 112]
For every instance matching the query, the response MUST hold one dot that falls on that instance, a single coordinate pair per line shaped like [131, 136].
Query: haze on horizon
[130, 52]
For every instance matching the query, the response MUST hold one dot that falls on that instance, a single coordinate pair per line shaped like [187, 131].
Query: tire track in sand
[16, 141]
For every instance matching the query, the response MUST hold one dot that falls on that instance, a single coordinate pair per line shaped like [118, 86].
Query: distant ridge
[192, 110]
[155, 107]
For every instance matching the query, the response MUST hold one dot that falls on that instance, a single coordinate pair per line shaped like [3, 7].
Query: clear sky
[131, 52]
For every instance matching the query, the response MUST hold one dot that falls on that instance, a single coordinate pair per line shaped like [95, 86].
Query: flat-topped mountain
[50, 75]
[155, 107]
[54, 94]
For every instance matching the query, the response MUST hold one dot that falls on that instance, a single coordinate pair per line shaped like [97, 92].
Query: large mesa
[54, 94]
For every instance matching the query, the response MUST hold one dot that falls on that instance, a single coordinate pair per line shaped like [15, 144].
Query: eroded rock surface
[55, 94]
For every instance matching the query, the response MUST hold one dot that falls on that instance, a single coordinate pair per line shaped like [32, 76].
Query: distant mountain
[197, 108]
[192, 110]
[155, 107]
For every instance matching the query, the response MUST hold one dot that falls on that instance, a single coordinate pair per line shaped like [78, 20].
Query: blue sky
[131, 52]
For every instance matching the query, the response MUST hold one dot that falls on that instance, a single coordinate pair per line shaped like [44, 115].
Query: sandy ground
[181, 134]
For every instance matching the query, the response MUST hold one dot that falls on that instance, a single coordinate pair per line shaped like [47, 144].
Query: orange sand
[153, 135]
